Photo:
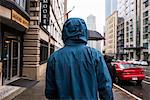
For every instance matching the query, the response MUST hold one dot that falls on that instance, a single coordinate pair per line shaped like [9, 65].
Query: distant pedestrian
[111, 68]
[77, 71]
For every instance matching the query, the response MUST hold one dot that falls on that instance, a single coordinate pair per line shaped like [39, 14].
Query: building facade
[43, 36]
[14, 24]
[130, 11]
[111, 35]
[91, 25]
[120, 39]
[30, 32]
[145, 30]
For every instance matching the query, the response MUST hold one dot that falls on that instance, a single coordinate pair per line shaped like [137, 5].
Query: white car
[133, 61]
[144, 63]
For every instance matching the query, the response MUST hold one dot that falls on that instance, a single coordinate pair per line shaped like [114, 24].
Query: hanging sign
[45, 5]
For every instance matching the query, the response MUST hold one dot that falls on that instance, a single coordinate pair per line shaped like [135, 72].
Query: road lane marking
[127, 92]
[146, 82]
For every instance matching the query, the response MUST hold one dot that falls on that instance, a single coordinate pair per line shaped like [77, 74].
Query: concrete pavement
[37, 93]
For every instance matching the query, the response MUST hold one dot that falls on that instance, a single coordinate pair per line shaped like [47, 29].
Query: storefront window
[0, 46]
[52, 49]
[43, 52]
[0, 51]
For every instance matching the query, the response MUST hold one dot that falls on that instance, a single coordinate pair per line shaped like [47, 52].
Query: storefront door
[11, 59]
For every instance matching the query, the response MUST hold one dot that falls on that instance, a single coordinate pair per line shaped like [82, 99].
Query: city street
[36, 34]
[139, 89]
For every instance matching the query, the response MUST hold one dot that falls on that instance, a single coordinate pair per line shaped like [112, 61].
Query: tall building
[145, 30]
[30, 32]
[130, 11]
[91, 22]
[113, 5]
[107, 8]
[120, 39]
[110, 7]
[91, 25]
[111, 34]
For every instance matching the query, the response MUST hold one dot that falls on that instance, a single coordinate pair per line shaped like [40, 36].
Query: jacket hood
[74, 32]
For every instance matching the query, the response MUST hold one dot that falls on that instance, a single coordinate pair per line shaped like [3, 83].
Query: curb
[127, 92]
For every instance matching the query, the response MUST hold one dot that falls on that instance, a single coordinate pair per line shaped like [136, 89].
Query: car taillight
[125, 73]
[142, 72]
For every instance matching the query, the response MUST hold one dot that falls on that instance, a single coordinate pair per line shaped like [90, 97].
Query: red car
[126, 71]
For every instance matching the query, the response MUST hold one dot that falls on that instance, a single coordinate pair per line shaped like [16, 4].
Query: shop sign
[45, 4]
[19, 19]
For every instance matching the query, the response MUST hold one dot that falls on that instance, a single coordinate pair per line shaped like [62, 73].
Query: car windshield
[124, 66]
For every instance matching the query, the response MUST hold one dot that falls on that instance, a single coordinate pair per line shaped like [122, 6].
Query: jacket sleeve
[50, 87]
[103, 79]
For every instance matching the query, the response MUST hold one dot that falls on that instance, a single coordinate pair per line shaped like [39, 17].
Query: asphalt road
[140, 90]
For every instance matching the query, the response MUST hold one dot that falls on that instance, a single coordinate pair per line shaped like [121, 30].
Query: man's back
[77, 71]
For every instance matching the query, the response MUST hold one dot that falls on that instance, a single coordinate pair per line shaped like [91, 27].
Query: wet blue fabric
[77, 71]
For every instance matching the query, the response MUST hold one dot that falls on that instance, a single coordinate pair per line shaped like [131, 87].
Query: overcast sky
[83, 8]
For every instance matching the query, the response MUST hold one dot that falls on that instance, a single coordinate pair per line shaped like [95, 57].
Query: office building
[145, 30]
[91, 25]
[111, 35]
[130, 11]
[110, 7]
[120, 39]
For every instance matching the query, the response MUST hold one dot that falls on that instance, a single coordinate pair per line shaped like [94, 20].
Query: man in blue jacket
[77, 71]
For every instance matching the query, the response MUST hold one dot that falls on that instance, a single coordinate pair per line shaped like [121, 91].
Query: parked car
[144, 63]
[126, 71]
[135, 62]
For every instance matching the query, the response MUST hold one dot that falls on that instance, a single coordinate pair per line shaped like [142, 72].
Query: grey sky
[83, 8]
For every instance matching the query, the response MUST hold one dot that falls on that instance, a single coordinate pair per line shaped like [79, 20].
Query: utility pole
[65, 10]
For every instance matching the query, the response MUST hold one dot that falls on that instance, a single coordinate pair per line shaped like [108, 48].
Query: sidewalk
[37, 93]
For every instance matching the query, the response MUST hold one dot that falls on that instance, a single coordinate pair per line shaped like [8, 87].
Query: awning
[94, 35]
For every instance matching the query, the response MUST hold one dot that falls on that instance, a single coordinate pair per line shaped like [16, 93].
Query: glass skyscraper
[110, 7]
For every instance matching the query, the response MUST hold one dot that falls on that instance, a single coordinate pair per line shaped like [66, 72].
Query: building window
[145, 36]
[145, 30]
[34, 22]
[145, 45]
[34, 13]
[127, 40]
[145, 14]
[145, 21]
[131, 39]
[21, 3]
[33, 4]
[127, 23]
[43, 51]
[146, 3]
[145, 54]
[127, 28]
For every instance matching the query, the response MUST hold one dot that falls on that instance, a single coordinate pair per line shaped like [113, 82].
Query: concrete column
[65, 10]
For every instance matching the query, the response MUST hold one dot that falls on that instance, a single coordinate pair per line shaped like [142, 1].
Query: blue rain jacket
[77, 71]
